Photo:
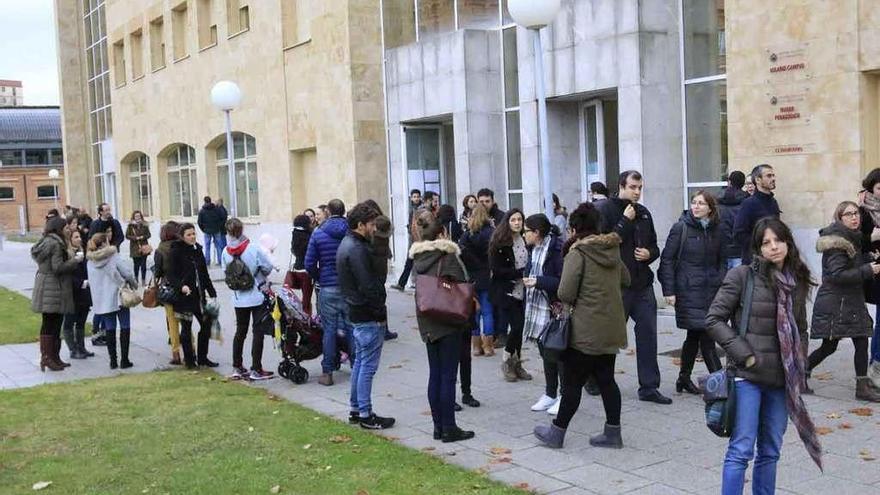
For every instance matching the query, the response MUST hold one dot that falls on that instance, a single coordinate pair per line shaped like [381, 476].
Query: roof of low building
[30, 124]
[10, 83]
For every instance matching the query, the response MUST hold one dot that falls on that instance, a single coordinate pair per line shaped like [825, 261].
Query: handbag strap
[747, 303]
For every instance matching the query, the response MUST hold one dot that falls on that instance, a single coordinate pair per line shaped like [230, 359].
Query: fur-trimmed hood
[604, 249]
[837, 236]
[102, 256]
[445, 246]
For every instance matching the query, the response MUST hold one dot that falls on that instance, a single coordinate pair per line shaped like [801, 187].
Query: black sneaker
[99, 340]
[389, 335]
[376, 422]
[457, 407]
[354, 417]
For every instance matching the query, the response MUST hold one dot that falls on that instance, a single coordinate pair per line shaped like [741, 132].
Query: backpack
[238, 275]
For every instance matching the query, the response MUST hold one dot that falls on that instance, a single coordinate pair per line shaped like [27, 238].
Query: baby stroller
[301, 337]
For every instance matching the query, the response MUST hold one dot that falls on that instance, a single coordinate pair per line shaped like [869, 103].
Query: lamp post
[53, 176]
[533, 15]
[226, 96]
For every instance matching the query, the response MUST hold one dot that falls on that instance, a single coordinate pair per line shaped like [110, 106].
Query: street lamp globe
[533, 14]
[53, 173]
[225, 95]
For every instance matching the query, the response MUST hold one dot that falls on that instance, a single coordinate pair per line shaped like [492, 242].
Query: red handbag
[444, 299]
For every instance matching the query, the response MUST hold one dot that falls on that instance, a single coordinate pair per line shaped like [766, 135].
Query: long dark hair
[503, 235]
[585, 221]
[56, 225]
[793, 262]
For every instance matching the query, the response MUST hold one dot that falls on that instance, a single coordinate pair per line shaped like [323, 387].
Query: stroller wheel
[284, 369]
[299, 375]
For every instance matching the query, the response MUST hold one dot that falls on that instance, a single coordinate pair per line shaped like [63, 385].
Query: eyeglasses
[699, 203]
[849, 214]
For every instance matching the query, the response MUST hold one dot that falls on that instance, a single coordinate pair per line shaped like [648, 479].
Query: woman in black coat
[75, 323]
[475, 255]
[870, 227]
[839, 311]
[692, 267]
[191, 282]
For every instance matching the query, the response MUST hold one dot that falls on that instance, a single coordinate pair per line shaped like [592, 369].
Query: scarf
[537, 302]
[794, 365]
[521, 259]
[871, 203]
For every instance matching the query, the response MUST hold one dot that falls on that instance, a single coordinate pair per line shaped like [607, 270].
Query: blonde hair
[97, 241]
[479, 217]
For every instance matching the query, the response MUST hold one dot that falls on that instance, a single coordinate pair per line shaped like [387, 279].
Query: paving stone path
[668, 448]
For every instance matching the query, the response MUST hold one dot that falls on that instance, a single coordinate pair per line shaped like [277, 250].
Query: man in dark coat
[486, 197]
[729, 202]
[761, 204]
[106, 223]
[638, 249]
[212, 222]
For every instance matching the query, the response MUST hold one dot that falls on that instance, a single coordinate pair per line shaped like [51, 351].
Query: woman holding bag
[138, 235]
[107, 274]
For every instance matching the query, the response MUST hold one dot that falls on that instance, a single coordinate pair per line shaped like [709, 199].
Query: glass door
[592, 140]
[424, 158]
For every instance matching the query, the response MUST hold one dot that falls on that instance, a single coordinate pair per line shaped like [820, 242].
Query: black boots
[203, 338]
[685, 384]
[110, 339]
[455, 434]
[124, 341]
[189, 358]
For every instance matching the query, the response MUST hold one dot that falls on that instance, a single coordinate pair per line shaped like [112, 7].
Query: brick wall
[24, 183]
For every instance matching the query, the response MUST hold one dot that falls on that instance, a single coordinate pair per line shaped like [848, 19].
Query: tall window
[119, 62]
[137, 54]
[98, 77]
[296, 18]
[141, 191]
[510, 96]
[181, 168]
[238, 16]
[406, 21]
[247, 190]
[179, 31]
[704, 94]
[157, 43]
[206, 23]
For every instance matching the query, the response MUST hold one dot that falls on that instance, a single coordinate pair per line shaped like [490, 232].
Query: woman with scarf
[508, 257]
[839, 311]
[541, 282]
[870, 227]
[692, 267]
[768, 361]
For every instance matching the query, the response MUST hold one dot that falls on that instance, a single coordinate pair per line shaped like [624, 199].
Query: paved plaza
[668, 448]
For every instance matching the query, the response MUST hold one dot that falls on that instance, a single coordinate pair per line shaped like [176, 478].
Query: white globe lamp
[53, 174]
[533, 14]
[226, 96]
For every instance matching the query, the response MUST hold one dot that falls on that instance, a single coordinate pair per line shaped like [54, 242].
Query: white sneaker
[553, 411]
[544, 403]
[874, 373]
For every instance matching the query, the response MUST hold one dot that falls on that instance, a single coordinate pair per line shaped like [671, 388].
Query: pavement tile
[528, 480]
[602, 479]
[678, 475]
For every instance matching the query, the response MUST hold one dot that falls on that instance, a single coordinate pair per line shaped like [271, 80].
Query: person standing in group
[321, 216]
[638, 249]
[541, 283]
[249, 302]
[839, 311]
[598, 192]
[729, 204]
[486, 197]
[759, 205]
[446, 215]
[138, 235]
[436, 254]
[381, 251]
[415, 203]
[508, 258]
[224, 214]
[692, 267]
[75, 322]
[192, 285]
[321, 264]
[592, 277]
[475, 255]
[53, 290]
[310, 214]
[870, 226]
[468, 204]
[169, 233]
[299, 243]
[364, 294]
[107, 224]
[211, 222]
[107, 274]
[768, 361]
[560, 219]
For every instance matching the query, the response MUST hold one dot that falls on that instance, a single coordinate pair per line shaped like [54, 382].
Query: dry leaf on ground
[41, 484]
[428, 449]
[501, 460]
[862, 411]
[845, 426]
[866, 455]
[499, 451]
[522, 486]
[362, 492]
[834, 415]
[395, 366]
[630, 352]
[823, 430]
[340, 439]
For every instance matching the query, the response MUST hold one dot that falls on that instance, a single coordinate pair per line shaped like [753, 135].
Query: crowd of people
[592, 265]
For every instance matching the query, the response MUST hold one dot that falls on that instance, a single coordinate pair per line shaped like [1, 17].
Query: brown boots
[488, 345]
[482, 346]
[512, 368]
[48, 353]
[476, 345]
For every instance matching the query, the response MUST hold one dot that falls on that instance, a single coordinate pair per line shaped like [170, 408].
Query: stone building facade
[11, 93]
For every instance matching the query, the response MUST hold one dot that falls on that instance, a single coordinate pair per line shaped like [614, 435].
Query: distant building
[11, 94]
[30, 146]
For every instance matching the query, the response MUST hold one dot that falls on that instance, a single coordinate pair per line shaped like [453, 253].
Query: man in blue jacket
[759, 205]
[321, 264]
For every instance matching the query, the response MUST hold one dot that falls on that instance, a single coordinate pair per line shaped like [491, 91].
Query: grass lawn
[191, 432]
[18, 324]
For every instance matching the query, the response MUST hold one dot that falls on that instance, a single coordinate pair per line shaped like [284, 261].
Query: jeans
[576, 368]
[875, 340]
[242, 320]
[334, 320]
[761, 416]
[641, 306]
[140, 267]
[442, 366]
[486, 315]
[219, 241]
[108, 321]
[734, 262]
[368, 340]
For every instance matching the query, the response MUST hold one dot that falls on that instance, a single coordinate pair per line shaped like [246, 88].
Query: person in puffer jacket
[107, 274]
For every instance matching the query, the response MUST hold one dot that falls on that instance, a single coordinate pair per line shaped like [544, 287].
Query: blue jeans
[875, 340]
[733, 263]
[486, 313]
[334, 321]
[368, 340]
[108, 321]
[443, 357]
[219, 241]
[761, 416]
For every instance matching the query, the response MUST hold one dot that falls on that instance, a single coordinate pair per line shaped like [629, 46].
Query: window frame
[191, 169]
[139, 170]
[11, 189]
[249, 161]
[55, 193]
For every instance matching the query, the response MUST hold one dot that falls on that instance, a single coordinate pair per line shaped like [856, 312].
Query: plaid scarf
[794, 366]
[537, 302]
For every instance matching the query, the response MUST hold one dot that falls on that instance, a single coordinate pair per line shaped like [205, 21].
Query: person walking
[138, 235]
[107, 274]
[869, 210]
[592, 276]
[249, 303]
[755, 207]
[541, 282]
[415, 203]
[729, 204]
[436, 254]
[638, 249]
[107, 224]
[692, 267]
[52, 296]
[364, 294]
[211, 222]
[188, 277]
[75, 322]
[169, 233]
[297, 276]
[508, 258]
[475, 255]
[320, 262]
[839, 311]
[768, 361]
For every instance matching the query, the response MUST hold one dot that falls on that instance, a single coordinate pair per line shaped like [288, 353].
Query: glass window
[706, 122]
[511, 68]
[436, 17]
[7, 194]
[399, 18]
[247, 191]
[56, 156]
[514, 162]
[423, 159]
[10, 158]
[515, 200]
[141, 190]
[47, 192]
[36, 157]
[704, 41]
[181, 168]
[478, 14]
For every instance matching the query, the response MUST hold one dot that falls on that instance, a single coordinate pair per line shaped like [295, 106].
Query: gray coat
[107, 273]
[53, 283]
